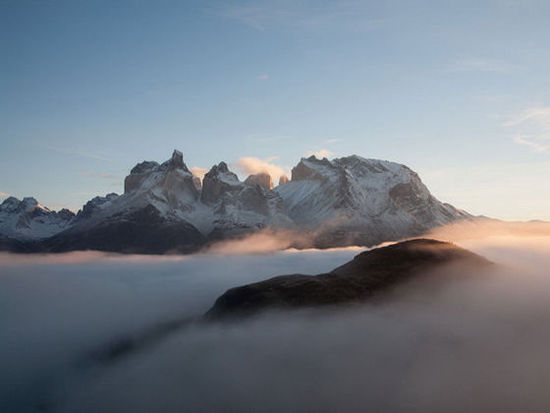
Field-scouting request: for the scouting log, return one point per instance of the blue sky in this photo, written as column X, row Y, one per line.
column 457, row 90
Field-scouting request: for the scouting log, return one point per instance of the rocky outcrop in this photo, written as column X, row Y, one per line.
column 283, row 179
column 217, row 182
column 262, row 179
column 368, row 274
column 171, row 182
column 95, row 204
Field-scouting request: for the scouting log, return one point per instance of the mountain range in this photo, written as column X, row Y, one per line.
column 165, row 208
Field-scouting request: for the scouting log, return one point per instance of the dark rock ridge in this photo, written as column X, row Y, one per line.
column 344, row 201
column 142, row 231
column 368, row 274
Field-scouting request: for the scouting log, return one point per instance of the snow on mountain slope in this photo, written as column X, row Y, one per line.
column 159, row 198
column 240, row 206
column 29, row 220
column 350, row 200
column 358, row 200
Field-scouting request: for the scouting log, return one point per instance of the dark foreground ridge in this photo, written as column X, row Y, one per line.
column 367, row 274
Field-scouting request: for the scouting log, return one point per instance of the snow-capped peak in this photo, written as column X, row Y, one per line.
column 28, row 219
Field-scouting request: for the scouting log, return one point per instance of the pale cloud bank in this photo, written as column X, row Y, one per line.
column 439, row 343
column 503, row 190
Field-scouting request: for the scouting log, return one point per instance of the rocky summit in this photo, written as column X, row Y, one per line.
column 164, row 208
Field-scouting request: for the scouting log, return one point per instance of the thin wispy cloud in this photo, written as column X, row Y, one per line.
column 4, row 194
column 333, row 140
column 76, row 152
column 349, row 15
column 532, row 128
column 262, row 77
column 255, row 17
column 481, row 65
column 99, row 175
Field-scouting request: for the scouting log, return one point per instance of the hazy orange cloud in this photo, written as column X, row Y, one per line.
column 250, row 165
column 198, row 171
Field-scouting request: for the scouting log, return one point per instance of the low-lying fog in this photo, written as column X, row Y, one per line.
column 481, row 344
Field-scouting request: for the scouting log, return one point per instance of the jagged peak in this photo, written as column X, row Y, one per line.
column 221, row 171
column 221, row 167
column 176, row 161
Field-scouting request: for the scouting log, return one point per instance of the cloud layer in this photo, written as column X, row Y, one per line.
column 445, row 343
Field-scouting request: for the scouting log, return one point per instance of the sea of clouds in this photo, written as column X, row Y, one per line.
column 437, row 344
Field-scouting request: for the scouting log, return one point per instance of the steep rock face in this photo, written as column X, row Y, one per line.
column 283, row 179
column 354, row 200
column 238, row 206
column 170, row 183
column 29, row 220
column 262, row 179
column 150, row 217
column 368, row 274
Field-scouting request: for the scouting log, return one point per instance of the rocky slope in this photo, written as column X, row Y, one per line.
column 368, row 274
column 165, row 208
column 28, row 220
column 360, row 201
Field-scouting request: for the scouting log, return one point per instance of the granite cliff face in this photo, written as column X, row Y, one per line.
column 346, row 201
